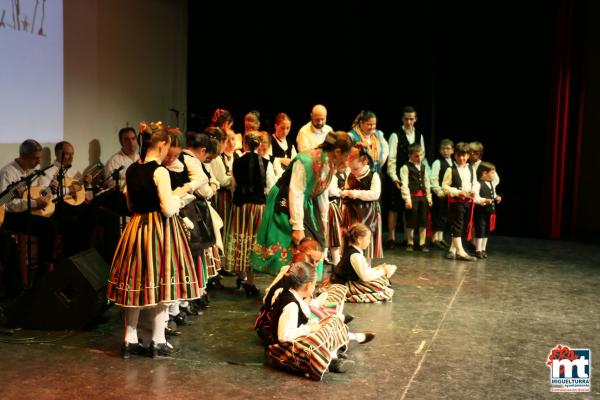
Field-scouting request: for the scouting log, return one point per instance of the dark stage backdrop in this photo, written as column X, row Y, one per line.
column 473, row 70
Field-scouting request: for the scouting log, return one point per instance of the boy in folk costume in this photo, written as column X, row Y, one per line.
column 439, row 208
column 485, row 211
column 462, row 189
column 416, row 193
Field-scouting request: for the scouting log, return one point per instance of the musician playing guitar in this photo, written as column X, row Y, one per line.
column 30, row 152
column 76, row 218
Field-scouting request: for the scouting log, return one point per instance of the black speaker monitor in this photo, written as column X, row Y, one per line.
column 70, row 297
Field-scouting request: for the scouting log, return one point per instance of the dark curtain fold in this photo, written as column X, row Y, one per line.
column 558, row 205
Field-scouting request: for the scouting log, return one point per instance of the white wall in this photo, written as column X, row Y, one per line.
column 125, row 61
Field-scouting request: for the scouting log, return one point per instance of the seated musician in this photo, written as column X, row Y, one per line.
column 124, row 158
column 30, row 152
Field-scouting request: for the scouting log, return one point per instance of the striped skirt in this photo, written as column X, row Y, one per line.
column 245, row 220
column 223, row 206
column 211, row 261
column 375, row 291
column 368, row 213
column 334, row 304
column 310, row 355
column 335, row 226
column 152, row 263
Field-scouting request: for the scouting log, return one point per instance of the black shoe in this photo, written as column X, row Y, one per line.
column 191, row 309
column 239, row 282
column 445, row 244
column 465, row 257
column 484, row 254
column 439, row 244
column 340, row 365
column 450, row 255
column 343, row 356
column 409, row 247
column 368, row 337
column 127, row 349
column 479, row 254
column 348, row 318
column 162, row 350
column 424, row 249
column 223, row 272
column 251, row 290
column 390, row 244
column 169, row 332
column 180, row 319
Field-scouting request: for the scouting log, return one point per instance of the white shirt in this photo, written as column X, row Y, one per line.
column 296, row 197
column 374, row 191
column 169, row 202
column 465, row 177
column 288, row 329
column 405, row 190
column 310, row 137
column 198, row 179
column 52, row 174
column 117, row 160
column 217, row 167
column 436, row 185
column 11, row 173
column 271, row 178
column 362, row 267
column 277, row 161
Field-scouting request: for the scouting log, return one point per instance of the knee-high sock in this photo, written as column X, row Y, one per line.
column 335, row 255
column 478, row 244
column 410, row 236
column 457, row 245
column 484, row 244
column 131, row 317
column 158, row 323
column 422, row 236
column 173, row 309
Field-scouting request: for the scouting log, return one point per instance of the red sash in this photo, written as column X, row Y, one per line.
column 492, row 222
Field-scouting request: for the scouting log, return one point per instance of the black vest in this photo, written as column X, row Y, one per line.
column 286, row 297
column 278, row 152
column 179, row 178
column 402, row 149
column 457, row 181
column 487, row 192
column 344, row 271
column 362, row 184
column 250, row 182
column 443, row 167
column 141, row 188
column 416, row 178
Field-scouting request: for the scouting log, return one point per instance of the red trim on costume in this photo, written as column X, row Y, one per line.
column 492, row 222
column 419, row 193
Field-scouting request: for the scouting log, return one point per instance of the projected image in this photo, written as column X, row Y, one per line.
column 31, row 83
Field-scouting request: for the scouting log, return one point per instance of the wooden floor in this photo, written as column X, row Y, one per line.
column 455, row 330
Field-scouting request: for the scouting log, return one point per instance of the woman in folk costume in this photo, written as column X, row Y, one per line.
column 365, row 283
column 251, row 173
column 298, row 205
column 301, row 344
column 364, row 131
column 152, row 264
column 282, row 149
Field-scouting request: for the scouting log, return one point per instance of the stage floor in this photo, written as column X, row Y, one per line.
column 455, row 330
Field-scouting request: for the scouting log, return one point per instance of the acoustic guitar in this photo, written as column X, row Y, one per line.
column 38, row 192
column 74, row 192
column 10, row 193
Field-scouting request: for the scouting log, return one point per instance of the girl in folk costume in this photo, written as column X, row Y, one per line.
column 335, row 240
column 298, row 205
column 178, row 311
column 330, row 301
column 223, row 119
column 302, row 345
column 221, row 168
column 200, row 149
column 152, row 264
column 365, row 284
column 364, row 131
column 283, row 150
column 253, row 174
column 361, row 198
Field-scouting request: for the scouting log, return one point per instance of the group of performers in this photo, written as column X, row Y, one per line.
column 202, row 204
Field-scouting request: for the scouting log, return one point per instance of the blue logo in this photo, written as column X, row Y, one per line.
column 570, row 369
